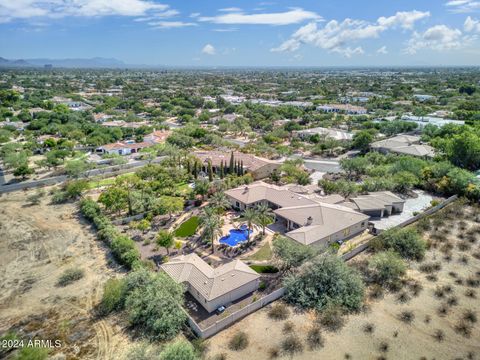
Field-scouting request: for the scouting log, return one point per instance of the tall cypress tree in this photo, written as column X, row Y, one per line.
column 241, row 169
column 210, row 171
column 230, row 170
column 222, row 169
column 195, row 170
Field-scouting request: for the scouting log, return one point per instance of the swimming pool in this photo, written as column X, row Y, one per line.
column 235, row 237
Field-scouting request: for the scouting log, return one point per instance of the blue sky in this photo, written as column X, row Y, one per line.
column 245, row 33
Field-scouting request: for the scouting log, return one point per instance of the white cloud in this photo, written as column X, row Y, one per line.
column 195, row 15
column 25, row 9
column 404, row 19
column 230, row 9
column 209, row 50
column 463, row 6
column 225, row 29
column 438, row 37
column 471, row 25
column 293, row 16
column 383, row 50
column 170, row 24
column 337, row 36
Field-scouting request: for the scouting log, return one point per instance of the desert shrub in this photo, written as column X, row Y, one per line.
column 221, row 356
column 32, row 353
column 470, row 293
column 314, row 338
column 386, row 267
column 415, row 287
column 113, row 296
column 69, row 276
column 463, row 328
column 238, row 342
column 406, row 316
column 464, row 246
column 406, row 241
column 279, row 311
column 143, row 351
column 179, row 350
column 470, row 316
column 383, row 347
column 376, row 292
column 439, row 292
column 430, row 267
column 452, row 301
column 274, row 352
column 439, row 335
column 291, row 254
column 89, row 208
column 288, row 327
column 424, row 224
column 125, row 250
column 368, row 328
column 427, row 319
column 472, row 282
column 325, row 279
column 292, row 345
column 153, row 302
column 443, row 310
column 332, row 317
column 403, row 297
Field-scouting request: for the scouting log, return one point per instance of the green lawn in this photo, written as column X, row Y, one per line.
column 264, row 269
column 264, row 253
column 188, row 227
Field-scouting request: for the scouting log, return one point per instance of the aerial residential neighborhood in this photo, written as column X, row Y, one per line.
column 239, row 180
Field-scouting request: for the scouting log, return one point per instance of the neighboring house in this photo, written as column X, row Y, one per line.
column 422, row 121
column 309, row 220
column 259, row 168
column 125, row 125
column 123, row 147
column 330, row 133
column 378, row 204
column 405, row 145
column 131, row 147
column 342, row 108
column 211, row 287
column 423, row 98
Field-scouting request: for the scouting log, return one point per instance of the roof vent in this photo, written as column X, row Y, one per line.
column 309, row 221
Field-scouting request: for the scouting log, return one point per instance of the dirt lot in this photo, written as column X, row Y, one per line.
column 436, row 331
column 37, row 244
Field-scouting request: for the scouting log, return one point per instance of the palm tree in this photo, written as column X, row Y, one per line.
column 249, row 216
column 211, row 224
column 219, row 202
column 265, row 216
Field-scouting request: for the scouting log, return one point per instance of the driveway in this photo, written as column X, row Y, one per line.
column 412, row 205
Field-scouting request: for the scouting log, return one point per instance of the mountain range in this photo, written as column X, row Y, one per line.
column 96, row 62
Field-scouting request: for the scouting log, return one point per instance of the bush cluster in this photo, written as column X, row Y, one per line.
column 123, row 248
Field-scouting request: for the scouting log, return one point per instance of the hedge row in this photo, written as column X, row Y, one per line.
column 123, row 248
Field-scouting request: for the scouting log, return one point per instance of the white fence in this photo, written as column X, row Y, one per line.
column 234, row 317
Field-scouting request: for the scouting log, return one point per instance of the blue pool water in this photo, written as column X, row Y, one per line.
column 235, row 237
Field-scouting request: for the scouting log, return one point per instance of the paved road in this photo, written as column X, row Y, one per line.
column 60, row 179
